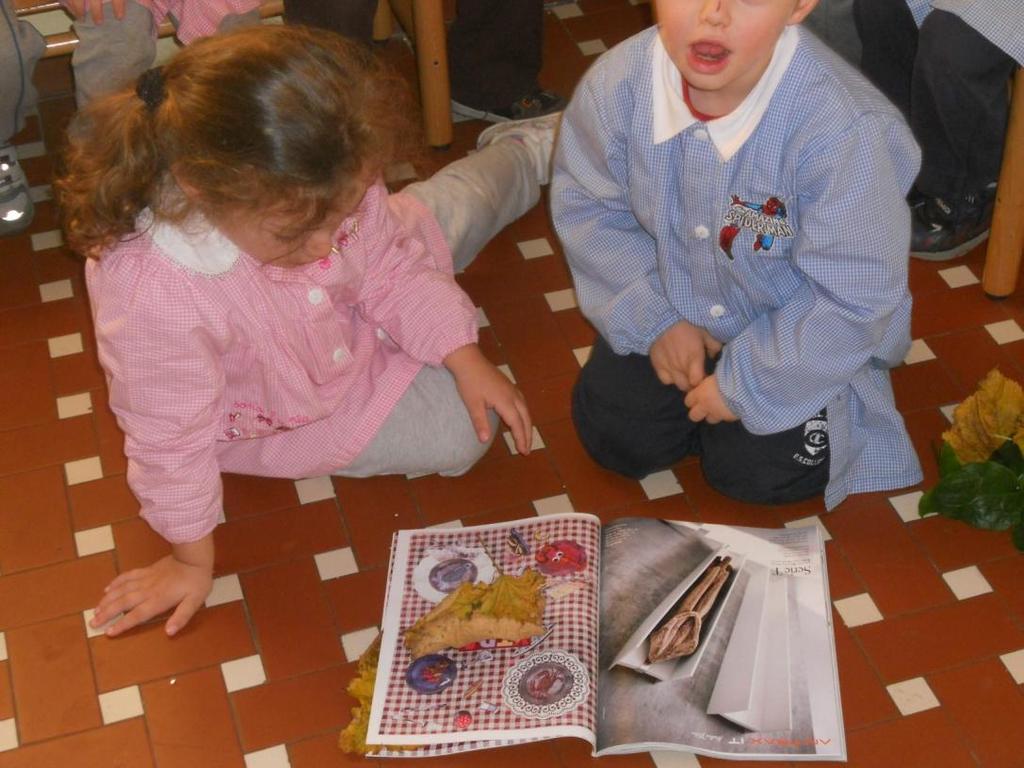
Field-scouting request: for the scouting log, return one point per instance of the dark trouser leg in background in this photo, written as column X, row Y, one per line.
column 494, row 51
column 631, row 423
column 351, row 18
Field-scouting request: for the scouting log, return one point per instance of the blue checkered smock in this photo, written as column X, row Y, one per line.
column 794, row 251
column 1000, row 21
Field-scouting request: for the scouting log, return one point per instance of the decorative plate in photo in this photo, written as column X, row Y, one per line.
column 431, row 674
column 545, row 684
column 441, row 571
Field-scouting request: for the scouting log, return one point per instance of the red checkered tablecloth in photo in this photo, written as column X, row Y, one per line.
column 572, row 619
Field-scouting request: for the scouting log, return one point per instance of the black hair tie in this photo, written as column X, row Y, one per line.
column 150, row 88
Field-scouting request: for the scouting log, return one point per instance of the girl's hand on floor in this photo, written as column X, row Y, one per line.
column 482, row 386
column 181, row 580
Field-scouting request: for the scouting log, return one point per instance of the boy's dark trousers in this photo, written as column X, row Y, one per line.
column 633, row 424
column 494, row 46
column 950, row 82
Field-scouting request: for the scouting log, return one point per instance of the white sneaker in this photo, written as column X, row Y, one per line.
column 537, row 134
column 16, row 207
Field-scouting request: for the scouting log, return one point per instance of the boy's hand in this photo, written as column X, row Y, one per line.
column 706, row 403
column 678, row 355
column 79, row 9
column 183, row 579
column 482, row 386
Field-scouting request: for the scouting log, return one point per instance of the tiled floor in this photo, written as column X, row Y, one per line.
column 929, row 615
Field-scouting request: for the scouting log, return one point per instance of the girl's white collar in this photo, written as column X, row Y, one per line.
column 196, row 245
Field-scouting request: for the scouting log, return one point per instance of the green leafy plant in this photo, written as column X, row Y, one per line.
column 981, row 467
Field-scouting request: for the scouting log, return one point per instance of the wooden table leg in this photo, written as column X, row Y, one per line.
column 1006, row 239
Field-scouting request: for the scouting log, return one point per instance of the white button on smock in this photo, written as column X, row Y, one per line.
column 717, row 310
column 701, row 134
column 315, row 295
column 339, row 355
column 701, row 231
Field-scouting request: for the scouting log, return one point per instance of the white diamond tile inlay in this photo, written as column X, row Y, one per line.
column 567, row 11
column 336, row 563
column 947, row 411
column 91, row 631
column 807, row 522
column 919, row 352
column 482, row 321
column 356, row 642
column 94, row 540
column 534, row 249
column 8, row 735
column 1014, row 663
column 448, row 525
column 56, row 291
column 314, row 489
column 83, row 470
column 674, row 759
column 912, row 696
column 246, row 672
column 958, row 277
column 661, row 484
column 592, row 47
column 74, row 405
column 582, row 354
column 553, row 505
column 906, row 505
column 271, row 757
column 536, row 441
column 967, row 582
column 858, row 610
column 62, row 346
column 3, row 647
column 43, row 241
column 1006, row 332
column 508, row 372
column 559, row 300
column 122, row 704
column 226, row 589
column 41, row 193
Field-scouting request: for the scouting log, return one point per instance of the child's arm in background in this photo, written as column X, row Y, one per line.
column 166, row 384
column 612, row 258
column 853, row 308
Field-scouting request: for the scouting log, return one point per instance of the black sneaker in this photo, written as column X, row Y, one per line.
column 536, row 104
column 941, row 230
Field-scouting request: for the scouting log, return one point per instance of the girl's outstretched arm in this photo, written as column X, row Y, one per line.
column 482, row 386
column 182, row 580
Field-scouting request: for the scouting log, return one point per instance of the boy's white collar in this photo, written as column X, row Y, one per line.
column 196, row 245
column 729, row 132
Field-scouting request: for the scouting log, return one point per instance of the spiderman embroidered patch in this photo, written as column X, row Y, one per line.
column 766, row 220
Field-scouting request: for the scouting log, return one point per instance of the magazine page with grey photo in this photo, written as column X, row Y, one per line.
column 638, row 635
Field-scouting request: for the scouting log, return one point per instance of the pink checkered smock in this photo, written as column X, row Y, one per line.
column 216, row 362
column 196, row 18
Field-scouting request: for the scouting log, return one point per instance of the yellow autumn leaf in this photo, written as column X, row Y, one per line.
column 509, row 608
column 353, row 738
column 987, row 419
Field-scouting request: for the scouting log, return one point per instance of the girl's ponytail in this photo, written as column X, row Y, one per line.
column 114, row 168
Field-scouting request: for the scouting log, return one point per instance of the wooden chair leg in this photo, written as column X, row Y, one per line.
column 1006, row 239
column 382, row 22
column 423, row 20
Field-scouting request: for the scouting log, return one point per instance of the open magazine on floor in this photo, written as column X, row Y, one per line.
column 636, row 635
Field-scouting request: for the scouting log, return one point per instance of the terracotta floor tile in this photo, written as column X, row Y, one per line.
column 713, row 507
column 121, row 744
column 493, row 485
column 953, row 310
column 102, row 501
column 322, row 752
column 924, row 385
column 284, row 711
column 531, row 339
column 6, row 697
column 357, row 600
column 865, row 700
column 591, row 487
column 925, row 739
column 1006, row 577
column 56, row 590
column 112, row 456
column 842, row 581
column 549, row 273
column 249, row 542
column 247, row 495
column 968, row 356
column 146, row 653
column 575, row 753
column 60, row 264
column 549, row 399
column 925, row 428
column 952, row 544
column 988, row 706
column 611, row 27
column 77, row 373
column 43, row 445
column 53, row 686
column 897, row 574
column 19, row 286
column 190, row 721
column 137, row 544
column 292, row 619
column 932, row 640
column 35, row 322
column 374, row 508
column 34, row 520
